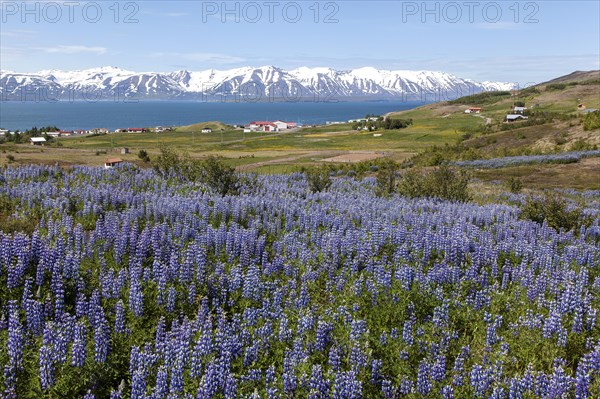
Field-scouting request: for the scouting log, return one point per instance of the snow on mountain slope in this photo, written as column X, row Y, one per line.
column 246, row 82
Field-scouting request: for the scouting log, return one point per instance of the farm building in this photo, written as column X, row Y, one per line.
column 514, row 117
column 473, row 110
column 263, row 126
column 112, row 162
column 37, row 141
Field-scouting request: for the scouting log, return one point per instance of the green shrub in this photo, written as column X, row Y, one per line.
column 515, row 185
column 487, row 97
column 220, row 177
column 555, row 86
column 554, row 210
column 582, row 145
column 442, row 182
column 318, row 179
column 143, row 155
column 591, row 120
column 168, row 162
column 212, row 171
column 386, row 178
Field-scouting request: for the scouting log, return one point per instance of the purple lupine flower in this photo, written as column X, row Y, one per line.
column 357, row 329
column 101, row 342
column 480, row 380
column 346, row 386
column 78, row 351
column 358, row 358
column 285, row 333
column 171, row 297
column 10, row 381
column 119, row 318
column 493, row 325
column 116, row 394
column 424, row 378
column 138, row 385
column 560, row 382
column 230, row 389
column 176, row 385
column 290, row 381
column 161, row 387
column 46, row 367
column 270, row 375
column 376, row 375
column 438, row 370
column 406, row 386
column 515, row 389
column 136, row 298
column 319, row 386
column 407, row 332
column 15, row 342
column 447, row 392
column 389, row 391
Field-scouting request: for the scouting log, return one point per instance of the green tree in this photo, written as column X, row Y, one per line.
column 318, row 179
column 218, row 176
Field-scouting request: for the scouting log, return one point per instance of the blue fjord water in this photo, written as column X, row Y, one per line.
column 113, row 115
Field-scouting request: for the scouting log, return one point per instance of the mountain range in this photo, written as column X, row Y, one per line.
column 247, row 83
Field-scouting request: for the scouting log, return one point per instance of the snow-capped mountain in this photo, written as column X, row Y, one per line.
column 264, row 83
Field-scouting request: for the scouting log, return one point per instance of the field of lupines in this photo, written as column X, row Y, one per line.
column 133, row 286
column 561, row 158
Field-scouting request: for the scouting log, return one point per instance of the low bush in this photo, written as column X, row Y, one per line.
column 143, row 155
column 212, row 171
column 591, row 120
column 220, row 177
column 386, row 178
column 554, row 210
column 515, row 185
column 442, row 182
column 318, row 179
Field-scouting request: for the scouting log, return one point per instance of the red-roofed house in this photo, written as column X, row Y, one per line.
column 112, row 162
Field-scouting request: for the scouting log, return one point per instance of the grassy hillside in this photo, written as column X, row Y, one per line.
column 440, row 132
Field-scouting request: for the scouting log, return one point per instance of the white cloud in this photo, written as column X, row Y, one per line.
column 176, row 14
column 73, row 49
column 211, row 58
column 18, row 33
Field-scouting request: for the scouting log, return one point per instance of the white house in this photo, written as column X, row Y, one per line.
column 519, row 110
column 37, row 141
column 206, row 130
column 3, row 132
column 281, row 125
column 263, row 126
column 53, row 134
column 112, row 162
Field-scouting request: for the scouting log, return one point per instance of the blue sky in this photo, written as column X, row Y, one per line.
column 516, row 41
